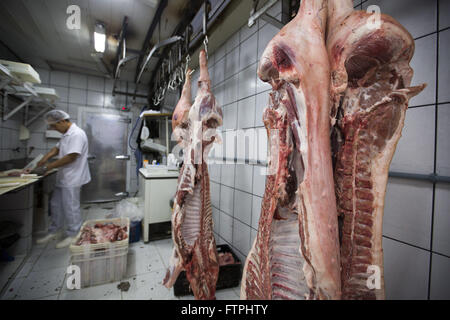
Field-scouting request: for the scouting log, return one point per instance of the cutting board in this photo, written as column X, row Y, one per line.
column 10, row 183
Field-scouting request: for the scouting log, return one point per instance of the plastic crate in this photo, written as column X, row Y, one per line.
column 101, row 262
column 229, row 275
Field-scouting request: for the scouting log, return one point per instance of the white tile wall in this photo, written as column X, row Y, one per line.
column 247, row 82
column 229, row 116
column 241, row 236
column 62, row 92
column 215, row 194
column 444, row 14
column 259, row 180
column 44, row 75
column 443, row 142
column 440, row 278
column 59, row 78
column 256, row 211
column 226, row 199
column 78, row 81
column 424, row 66
column 245, row 145
column 243, row 207
column 244, row 177
column 417, row 16
column 246, row 113
column 9, row 135
column 232, row 63
column 407, row 211
column 246, row 32
column 95, row 98
column 77, row 96
column 248, row 54
column 265, row 34
column 405, row 271
column 226, row 227
column 230, row 90
column 220, row 53
column 98, row 84
column 253, row 233
column 444, row 68
column 232, row 42
column 216, row 220
column 227, row 175
column 219, row 72
column 417, row 134
column 441, row 235
column 214, row 172
column 262, row 102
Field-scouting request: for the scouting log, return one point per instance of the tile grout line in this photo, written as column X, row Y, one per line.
column 433, row 204
column 415, row 246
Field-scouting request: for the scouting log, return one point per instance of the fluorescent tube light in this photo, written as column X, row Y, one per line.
column 99, row 38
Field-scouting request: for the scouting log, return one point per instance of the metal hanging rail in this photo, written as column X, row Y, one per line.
column 434, row 178
column 156, row 47
column 288, row 10
column 256, row 14
column 193, row 38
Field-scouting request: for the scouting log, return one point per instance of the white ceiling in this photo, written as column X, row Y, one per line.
column 36, row 31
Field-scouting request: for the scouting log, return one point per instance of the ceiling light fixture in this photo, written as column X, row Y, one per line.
column 99, row 37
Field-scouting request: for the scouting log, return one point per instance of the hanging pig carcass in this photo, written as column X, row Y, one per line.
column 192, row 225
column 296, row 251
column 370, row 88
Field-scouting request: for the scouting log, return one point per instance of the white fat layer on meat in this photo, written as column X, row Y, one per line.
column 190, row 227
column 300, row 102
column 286, row 260
column 274, row 147
column 174, row 269
column 253, row 257
column 380, row 168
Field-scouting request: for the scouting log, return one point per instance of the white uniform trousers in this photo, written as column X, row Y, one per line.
column 65, row 207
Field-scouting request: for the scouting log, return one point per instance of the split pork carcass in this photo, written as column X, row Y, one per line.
column 370, row 90
column 296, row 251
column 180, row 133
column 192, row 225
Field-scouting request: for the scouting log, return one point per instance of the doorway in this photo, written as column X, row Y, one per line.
column 109, row 157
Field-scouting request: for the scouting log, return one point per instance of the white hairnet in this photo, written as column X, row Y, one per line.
column 54, row 116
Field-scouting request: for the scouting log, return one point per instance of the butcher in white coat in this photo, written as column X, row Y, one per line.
column 73, row 173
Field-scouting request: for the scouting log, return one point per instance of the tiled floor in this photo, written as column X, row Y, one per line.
column 43, row 274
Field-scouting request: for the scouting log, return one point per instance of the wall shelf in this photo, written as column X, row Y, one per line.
column 39, row 97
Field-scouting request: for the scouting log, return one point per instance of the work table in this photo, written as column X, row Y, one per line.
column 16, row 183
column 26, row 204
